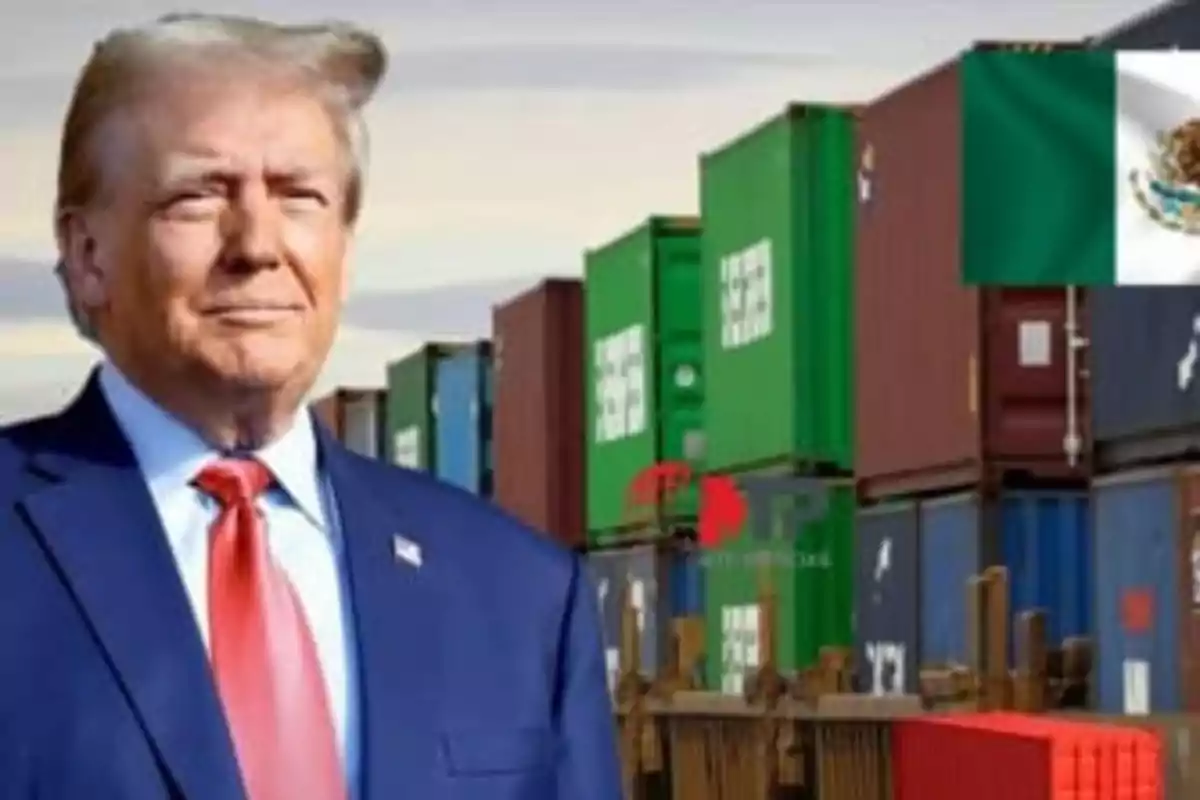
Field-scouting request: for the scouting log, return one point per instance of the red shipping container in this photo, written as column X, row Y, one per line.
column 537, row 416
column 1112, row 762
column 953, row 385
column 1082, row 761
column 933, row 759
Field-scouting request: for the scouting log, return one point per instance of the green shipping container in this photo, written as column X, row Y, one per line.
column 812, row 574
column 410, row 415
column 778, row 207
column 643, row 357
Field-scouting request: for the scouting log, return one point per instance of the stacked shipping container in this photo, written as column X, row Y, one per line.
column 538, row 428
column 777, row 259
column 645, row 383
column 462, row 407
column 727, row 341
column 643, row 403
column 963, row 398
column 662, row 584
column 1144, row 354
column 411, row 417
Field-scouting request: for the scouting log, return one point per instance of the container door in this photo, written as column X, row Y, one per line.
column 457, row 430
column 887, row 617
column 1137, row 594
column 410, row 411
column 1047, row 548
column 950, row 555
column 1026, row 417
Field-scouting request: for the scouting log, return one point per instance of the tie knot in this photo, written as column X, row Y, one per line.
column 234, row 480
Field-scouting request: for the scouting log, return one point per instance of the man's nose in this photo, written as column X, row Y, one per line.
column 253, row 238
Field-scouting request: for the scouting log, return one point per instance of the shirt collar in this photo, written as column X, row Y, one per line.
column 170, row 454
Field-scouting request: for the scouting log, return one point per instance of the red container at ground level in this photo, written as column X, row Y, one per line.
column 934, row 760
column 537, row 415
column 1006, row 755
column 953, row 385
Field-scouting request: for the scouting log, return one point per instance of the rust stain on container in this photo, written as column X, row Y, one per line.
column 538, row 412
column 953, row 385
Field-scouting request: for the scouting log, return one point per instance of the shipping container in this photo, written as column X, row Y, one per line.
column 887, row 612
column 537, row 419
column 809, row 567
column 355, row 418
column 645, row 385
column 1041, row 537
column 663, row 582
column 1163, row 27
column 463, row 412
column 1145, row 361
column 1002, row 756
column 777, row 247
column 954, row 386
column 1148, row 590
column 410, row 419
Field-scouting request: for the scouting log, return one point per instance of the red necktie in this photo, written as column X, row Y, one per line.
column 263, row 653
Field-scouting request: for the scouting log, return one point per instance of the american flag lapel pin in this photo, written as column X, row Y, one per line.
column 406, row 551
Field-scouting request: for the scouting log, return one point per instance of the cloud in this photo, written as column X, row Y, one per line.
column 41, row 340
column 624, row 68
column 44, row 364
column 456, row 310
column 38, row 98
column 29, row 291
column 33, row 318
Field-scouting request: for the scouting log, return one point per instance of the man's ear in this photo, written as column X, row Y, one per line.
column 81, row 267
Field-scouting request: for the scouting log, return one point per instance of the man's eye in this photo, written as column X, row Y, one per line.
column 305, row 195
column 192, row 200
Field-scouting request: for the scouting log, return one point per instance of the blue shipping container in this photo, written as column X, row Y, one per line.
column 463, row 406
column 1144, row 336
column 1044, row 541
column 664, row 584
column 1137, row 564
column 886, row 610
column 687, row 584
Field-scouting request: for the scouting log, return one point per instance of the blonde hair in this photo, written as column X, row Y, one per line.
column 342, row 63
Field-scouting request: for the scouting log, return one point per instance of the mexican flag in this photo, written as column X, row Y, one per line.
column 1080, row 167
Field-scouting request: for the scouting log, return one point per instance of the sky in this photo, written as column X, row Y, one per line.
column 508, row 137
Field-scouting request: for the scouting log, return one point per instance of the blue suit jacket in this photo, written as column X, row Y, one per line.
column 481, row 671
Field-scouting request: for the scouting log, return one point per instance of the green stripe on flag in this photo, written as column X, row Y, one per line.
column 1038, row 168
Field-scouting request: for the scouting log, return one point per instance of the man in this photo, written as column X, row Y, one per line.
column 203, row 595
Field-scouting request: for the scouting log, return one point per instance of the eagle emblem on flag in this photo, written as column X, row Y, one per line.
column 1168, row 190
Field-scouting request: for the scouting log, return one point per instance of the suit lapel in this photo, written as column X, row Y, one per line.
column 99, row 524
column 396, row 607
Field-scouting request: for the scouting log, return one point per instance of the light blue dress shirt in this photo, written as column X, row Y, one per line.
column 302, row 528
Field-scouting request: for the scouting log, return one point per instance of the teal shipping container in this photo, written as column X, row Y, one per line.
column 462, row 406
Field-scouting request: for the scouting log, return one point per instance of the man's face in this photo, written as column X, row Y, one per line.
column 222, row 238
